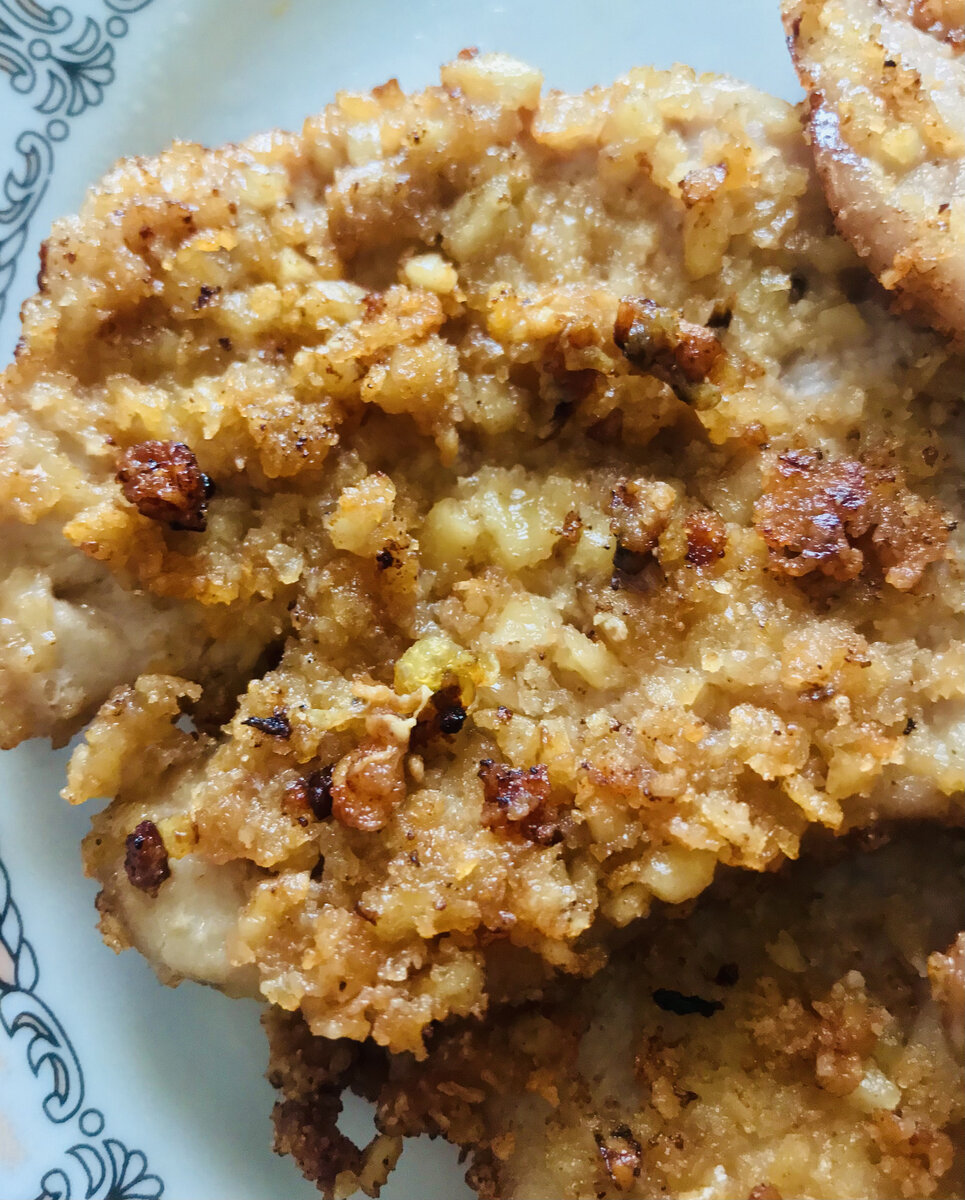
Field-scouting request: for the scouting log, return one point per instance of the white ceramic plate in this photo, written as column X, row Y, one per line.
column 112, row 1086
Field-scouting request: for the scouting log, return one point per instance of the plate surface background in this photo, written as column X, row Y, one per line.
column 112, row 1086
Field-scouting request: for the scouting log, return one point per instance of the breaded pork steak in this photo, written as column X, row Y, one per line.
column 886, row 82
column 797, row 1036
column 588, row 517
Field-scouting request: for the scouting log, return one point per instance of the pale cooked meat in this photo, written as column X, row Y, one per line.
column 71, row 632
column 886, row 80
column 782, row 1041
column 611, row 523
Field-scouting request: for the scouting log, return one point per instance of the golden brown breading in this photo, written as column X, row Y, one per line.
column 487, row 385
column 886, row 82
column 780, row 1041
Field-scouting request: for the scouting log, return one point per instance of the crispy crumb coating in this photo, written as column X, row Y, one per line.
column 886, row 84
column 489, row 386
column 788, row 1038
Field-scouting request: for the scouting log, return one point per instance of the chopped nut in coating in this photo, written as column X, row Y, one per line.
column 146, row 859
column 639, row 511
column 164, row 482
column 395, row 487
column 512, row 793
column 518, row 798
column 706, row 537
column 367, row 785
column 660, row 341
column 840, row 517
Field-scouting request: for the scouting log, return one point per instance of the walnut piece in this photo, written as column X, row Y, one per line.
column 164, row 482
column 146, row 859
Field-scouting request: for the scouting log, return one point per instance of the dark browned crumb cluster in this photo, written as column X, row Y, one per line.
column 477, row 651
column 841, row 517
column 164, row 483
column 146, row 859
column 793, row 1037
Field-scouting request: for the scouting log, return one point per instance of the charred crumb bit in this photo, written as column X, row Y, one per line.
column 318, row 870
column 277, row 725
column 313, row 794
column 727, row 974
column 622, row 1156
column 504, row 714
column 929, row 456
column 145, row 233
column 706, row 537
column 764, row 1191
column 720, row 318
column 842, row 518
column 817, row 692
column 226, row 344
column 910, row 726
column 451, row 719
column 685, row 1006
column 798, row 288
column 205, row 295
column 145, row 858
column 385, row 559
column 444, row 715
column 660, row 342
column 318, row 792
column 164, row 483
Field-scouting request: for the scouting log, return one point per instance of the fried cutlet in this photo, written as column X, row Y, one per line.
column 886, row 84
column 588, row 516
column 796, row 1035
